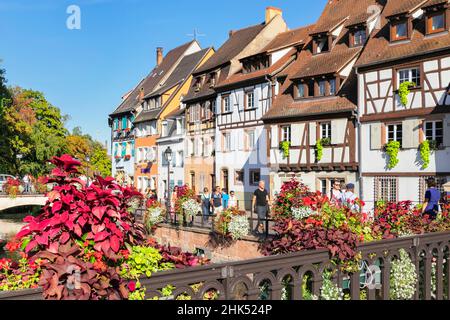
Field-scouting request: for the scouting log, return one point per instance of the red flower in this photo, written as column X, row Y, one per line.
column 132, row 286
column 12, row 246
column 5, row 263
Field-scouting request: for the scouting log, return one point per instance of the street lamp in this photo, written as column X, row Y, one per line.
column 88, row 159
column 168, row 156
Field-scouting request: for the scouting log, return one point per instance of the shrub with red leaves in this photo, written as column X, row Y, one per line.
column 84, row 219
column 391, row 218
column 180, row 258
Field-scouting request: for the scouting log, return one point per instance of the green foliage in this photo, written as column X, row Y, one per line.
column 425, row 153
column 404, row 90
column 319, row 151
column 285, row 147
column 143, row 261
column 392, row 150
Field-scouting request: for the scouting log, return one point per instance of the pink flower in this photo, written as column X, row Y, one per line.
column 132, row 286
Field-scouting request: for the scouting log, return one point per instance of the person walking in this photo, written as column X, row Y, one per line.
column 233, row 202
column 216, row 201
column 26, row 183
column 225, row 198
column 205, row 198
column 432, row 198
column 260, row 204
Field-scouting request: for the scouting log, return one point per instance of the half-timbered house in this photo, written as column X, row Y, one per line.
column 404, row 77
column 201, row 104
column 313, row 121
column 243, row 98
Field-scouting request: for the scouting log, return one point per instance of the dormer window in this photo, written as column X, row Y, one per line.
column 212, row 79
column 399, row 31
column 301, row 90
column 321, row 43
column 332, row 87
column 322, row 88
column 359, row 37
column 435, row 22
column 197, row 84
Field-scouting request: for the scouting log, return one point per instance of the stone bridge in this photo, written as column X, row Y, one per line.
column 22, row 200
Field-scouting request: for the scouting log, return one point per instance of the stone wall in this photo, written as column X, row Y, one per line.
column 214, row 248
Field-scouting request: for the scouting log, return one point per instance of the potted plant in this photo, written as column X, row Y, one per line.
column 392, row 149
column 404, row 90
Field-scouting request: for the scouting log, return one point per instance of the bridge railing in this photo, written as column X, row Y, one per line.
column 283, row 276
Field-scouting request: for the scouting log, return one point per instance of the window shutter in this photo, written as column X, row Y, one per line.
column 338, row 128
column 116, row 149
column 411, row 133
column 312, row 133
column 256, row 95
column 132, row 149
column 232, row 142
column 274, row 139
column 297, row 134
column 241, row 142
column 241, row 104
column 124, row 149
column 447, row 131
column 375, row 136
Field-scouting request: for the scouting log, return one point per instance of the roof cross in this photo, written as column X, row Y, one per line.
column 196, row 34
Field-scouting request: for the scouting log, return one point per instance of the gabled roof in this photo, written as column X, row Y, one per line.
column 181, row 73
column 380, row 50
column 184, row 69
column 231, row 48
column 149, row 83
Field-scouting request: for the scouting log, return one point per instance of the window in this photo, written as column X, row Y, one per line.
column 255, row 177
column 322, row 86
column 386, row 189
column 226, row 105
column 301, row 90
column 311, row 85
column 359, row 37
column 323, row 186
column 321, row 44
column 434, row 131
column 286, row 133
column 436, row 23
column 399, row 31
column 250, row 100
column 332, row 87
column 250, row 139
column 191, row 147
column 227, row 142
column 165, row 129
column 395, row 133
column 409, row 75
column 239, row 176
column 325, row 130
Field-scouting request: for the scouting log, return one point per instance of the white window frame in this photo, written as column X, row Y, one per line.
column 226, row 100
column 227, row 142
column 286, row 133
column 250, row 96
column 395, row 125
column 251, row 139
column 324, row 93
column 408, row 76
column 434, row 135
column 325, row 130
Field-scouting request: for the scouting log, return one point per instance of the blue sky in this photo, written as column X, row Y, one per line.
column 85, row 72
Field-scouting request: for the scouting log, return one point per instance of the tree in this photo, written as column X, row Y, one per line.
column 33, row 132
column 100, row 160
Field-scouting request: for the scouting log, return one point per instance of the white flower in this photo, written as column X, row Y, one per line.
column 302, row 213
column 191, row 207
column 330, row 290
column 154, row 216
column 238, row 227
column 403, row 277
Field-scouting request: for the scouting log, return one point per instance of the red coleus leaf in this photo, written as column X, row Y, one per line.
column 101, row 236
column 115, row 243
column 99, row 212
column 42, row 240
column 31, row 246
column 56, row 206
column 65, row 236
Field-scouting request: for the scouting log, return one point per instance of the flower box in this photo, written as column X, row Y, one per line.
column 28, row 294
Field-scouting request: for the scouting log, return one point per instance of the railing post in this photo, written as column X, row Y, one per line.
column 354, row 286
column 227, row 275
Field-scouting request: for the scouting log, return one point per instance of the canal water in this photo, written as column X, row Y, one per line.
column 11, row 221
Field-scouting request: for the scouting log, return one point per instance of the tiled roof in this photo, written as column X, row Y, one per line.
column 232, row 47
column 149, row 83
column 395, row 7
column 327, row 63
column 148, row 115
column 289, row 38
column 379, row 49
column 243, row 77
column 309, row 65
column 183, row 70
column 286, row 107
column 434, row 2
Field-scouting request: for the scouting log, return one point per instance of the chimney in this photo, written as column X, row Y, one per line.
column 141, row 94
column 159, row 55
column 230, row 33
column 271, row 12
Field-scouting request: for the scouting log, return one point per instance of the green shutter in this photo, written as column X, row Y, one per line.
column 116, row 148
column 124, row 149
column 132, row 148
column 124, row 123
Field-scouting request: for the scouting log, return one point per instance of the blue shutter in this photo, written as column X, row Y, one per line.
column 116, row 148
column 124, row 123
column 124, row 149
column 116, row 124
column 132, row 149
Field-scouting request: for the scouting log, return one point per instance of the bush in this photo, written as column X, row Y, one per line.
column 403, row 278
